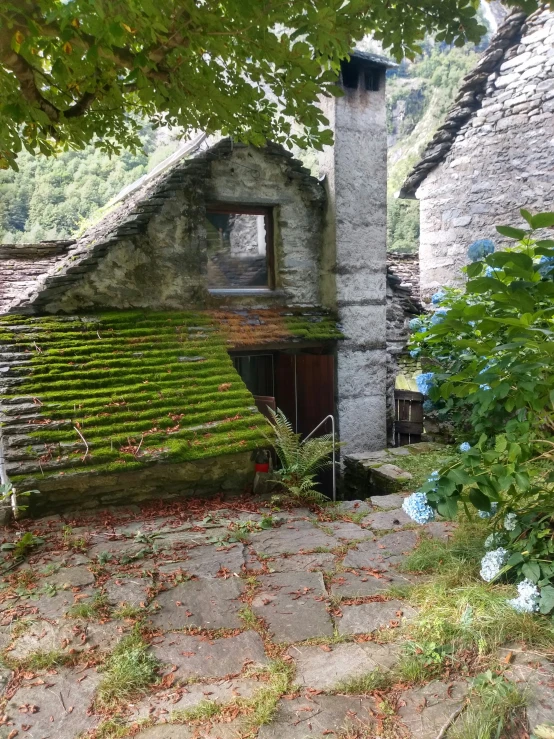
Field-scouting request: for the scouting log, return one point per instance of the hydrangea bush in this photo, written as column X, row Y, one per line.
column 489, row 369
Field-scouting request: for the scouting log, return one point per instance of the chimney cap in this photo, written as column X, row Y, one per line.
column 373, row 60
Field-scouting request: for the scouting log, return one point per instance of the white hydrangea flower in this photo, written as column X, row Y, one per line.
column 494, row 541
column 488, row 514
column 492, row 563
column 418, row 508
column 528, row 599
column 510, row 521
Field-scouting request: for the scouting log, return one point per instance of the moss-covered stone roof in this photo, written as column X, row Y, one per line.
column 119, row 391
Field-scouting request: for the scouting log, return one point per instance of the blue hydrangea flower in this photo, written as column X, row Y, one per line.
column 488, row 514
column 493, row 562
column 465, row 447
column 424, row 382
column 491, row 271
column 472, row 324
column 546, row 266
column 418, row 508
column 438, row 297
column 428, row 406
column 415, row 353
column 527, row 600
column 484, row 387
column 480, row 249
column 510, row 521
column 495, row 540
column 433, row 476
column 416, row 324
column 438, row 316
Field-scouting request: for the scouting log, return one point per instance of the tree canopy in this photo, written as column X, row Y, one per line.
column 74, row 72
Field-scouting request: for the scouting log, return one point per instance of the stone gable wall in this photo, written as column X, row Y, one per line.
column 155, row 256
column 501, row 161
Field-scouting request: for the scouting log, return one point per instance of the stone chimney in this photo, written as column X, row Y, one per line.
column 354, row 254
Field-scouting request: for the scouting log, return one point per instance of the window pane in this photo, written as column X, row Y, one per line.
column 237, row 249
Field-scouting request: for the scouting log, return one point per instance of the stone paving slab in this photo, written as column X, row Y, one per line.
column 291, row 539
column 293, row 605
column 61, row 706
column 231, row 730
column 353, row 506
column 387, row 502
column 302, row 563
column 56, row 606
column 440, row 529
column 368, row 617
column 69, row 577
column 347, row 531
column 328, row 668
column 386, row 520
column 131, row 591
column 162, row 705
column 381, row 553
column 425, row 710
column 68, row 637
column 196, row 656
column 318, row 717
column 351, row 585
column 534, row 674
column 208, row 604
column 209, row 560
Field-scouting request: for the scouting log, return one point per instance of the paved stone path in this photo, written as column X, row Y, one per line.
column 224, row 598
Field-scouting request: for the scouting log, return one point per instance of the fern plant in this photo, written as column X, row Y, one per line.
column 299, row 461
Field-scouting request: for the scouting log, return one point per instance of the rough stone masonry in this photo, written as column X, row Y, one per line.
column 494, row 154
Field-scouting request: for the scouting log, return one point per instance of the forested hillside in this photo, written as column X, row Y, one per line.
column 54, row 198
column 419, row 95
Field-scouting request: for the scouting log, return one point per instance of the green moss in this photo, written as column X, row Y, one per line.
column 123, row 380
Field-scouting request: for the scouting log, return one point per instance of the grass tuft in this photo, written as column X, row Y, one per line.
column 374, row 680
column 495, row 709
column 129, row 672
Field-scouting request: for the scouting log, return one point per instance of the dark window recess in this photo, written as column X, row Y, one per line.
column 239, row 248
column 350, row 74
column 256, row 371
column 372, row 79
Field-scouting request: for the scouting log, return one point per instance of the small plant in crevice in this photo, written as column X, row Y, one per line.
column 22, row 546
column 495, row 709
column 300, row 461
column 129, row 671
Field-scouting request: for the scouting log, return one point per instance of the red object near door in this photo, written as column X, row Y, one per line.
column 262, row 467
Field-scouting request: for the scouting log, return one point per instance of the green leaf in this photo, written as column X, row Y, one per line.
column 546, row 603
column 512, row 233
column 532, row 571
column 515, row 559
column 543, row 220
column 448, row 508
column 479, row 500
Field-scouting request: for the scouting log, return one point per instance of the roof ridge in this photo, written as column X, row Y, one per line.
column 467, row 102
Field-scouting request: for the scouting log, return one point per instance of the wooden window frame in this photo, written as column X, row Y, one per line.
column 252, row 210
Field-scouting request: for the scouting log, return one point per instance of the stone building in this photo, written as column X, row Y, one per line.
column 494, row 153
column 135, row 361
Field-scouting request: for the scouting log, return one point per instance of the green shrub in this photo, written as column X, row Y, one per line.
column 490, row 347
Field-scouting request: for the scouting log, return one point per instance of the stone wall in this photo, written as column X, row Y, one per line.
column 502, row 159
column 402, row 305
column 356, row 171
column 151, row 251
column 226, row 473
column 22, row 264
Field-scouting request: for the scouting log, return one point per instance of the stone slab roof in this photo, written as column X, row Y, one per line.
column 467, row 102
column 120, row 391
column 21, row 265
column 131, row 216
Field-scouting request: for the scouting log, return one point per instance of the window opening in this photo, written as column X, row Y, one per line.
column 239, row 242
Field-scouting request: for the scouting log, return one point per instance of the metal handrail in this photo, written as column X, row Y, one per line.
column 319, row 425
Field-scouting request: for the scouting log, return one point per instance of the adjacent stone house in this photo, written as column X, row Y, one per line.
column 494, row 154
column 135, row 361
